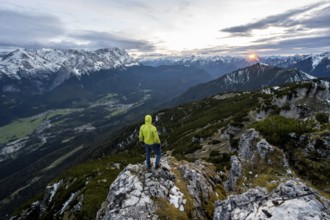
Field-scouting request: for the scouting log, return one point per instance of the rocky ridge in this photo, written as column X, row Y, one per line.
column 135, row 194
column 250, row 78
column 138, row 193
column 22, row 63
column 298, row 104
column 290, row 200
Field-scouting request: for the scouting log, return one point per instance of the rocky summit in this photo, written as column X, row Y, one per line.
column 190, row 187
column 141, row 194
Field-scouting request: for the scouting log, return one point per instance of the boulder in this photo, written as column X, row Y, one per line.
column 290, row 200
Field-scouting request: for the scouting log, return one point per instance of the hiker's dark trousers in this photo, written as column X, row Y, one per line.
column 155, row 148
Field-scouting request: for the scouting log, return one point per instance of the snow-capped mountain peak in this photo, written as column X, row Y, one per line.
column 317, row 58
column 28, row 62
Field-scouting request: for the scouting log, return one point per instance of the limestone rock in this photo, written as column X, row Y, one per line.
column 234, row 174
column 264, row 148
column 199, row 184
column 246, row 145
column 300, row 203
column 132, row 194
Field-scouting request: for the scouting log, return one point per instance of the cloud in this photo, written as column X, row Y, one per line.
column 307, row 43
column 28, row 30
column 97, row 39
column 19, row 29
column 303, row 45
column 321, row 19
column 286, row 19
column 152, row 27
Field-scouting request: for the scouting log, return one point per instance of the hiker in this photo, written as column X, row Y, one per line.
column 149, row 138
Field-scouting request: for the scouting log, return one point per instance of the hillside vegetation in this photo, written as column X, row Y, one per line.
column 214, row 129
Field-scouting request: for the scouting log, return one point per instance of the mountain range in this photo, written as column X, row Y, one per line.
column 249, row 78
column 22, row 63
column 64, row 107
column 34, row 81
column 317, row 65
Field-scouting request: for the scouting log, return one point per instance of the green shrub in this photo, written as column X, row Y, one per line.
column 277, row 129
column 322, row 118
column 214, row 153
column 221, row 161
column 234, row 142
column 286, row 107
column 215, row 141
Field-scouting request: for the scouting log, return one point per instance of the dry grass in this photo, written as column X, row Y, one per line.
column 263, row 174
column 208, row 206
column 166, row 210
column 182, row 185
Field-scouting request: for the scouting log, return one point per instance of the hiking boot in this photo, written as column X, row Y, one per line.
column 157, row 166
column 148, row 168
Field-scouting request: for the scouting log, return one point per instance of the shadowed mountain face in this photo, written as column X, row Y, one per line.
column 316, row 65
column 29, row 95
column 50, row 121
column 250, row 78
column 216, row 66
column 34, row 81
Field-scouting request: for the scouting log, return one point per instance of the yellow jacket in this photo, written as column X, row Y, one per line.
column 148, row 133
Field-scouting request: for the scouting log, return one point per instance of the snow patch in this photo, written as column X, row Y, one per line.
column 53, row 189
column 68, row 202
column 316, row 59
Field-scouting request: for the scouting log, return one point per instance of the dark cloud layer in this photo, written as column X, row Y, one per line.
column 296, row 38
column 321, row 19
column 19, row 29
column 28, row 30
column 104, row 39
column 286, row 46
column 287, row 20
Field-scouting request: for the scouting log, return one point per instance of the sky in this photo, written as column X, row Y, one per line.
column 152, row 28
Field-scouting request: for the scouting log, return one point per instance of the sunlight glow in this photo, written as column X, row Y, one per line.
column 253, row 57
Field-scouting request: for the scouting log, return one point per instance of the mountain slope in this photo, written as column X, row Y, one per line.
column 216, row 66
column 23, row 63
column 315, row 65
column 93, row 107
column 250, row 78
column 28, row 96
column 268, row 144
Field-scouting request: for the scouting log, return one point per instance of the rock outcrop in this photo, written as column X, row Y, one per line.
column 246, row 145
column 264, row 148
column 249, row 146
column 131, row 194
column 136, row 191
column 298, row 104
column 290, row 200
column 201, row 182
column 234, row 173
